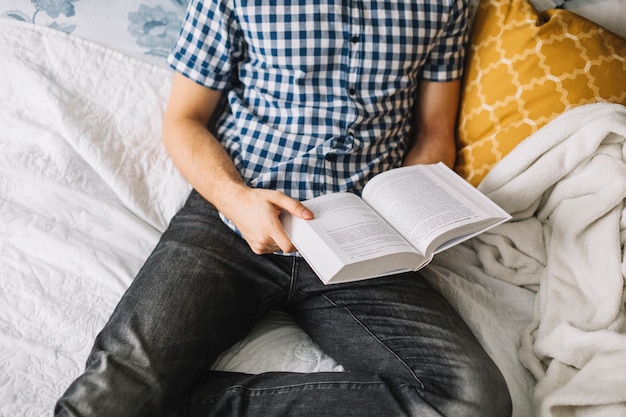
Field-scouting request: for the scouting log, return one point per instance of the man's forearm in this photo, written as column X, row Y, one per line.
column 431, row 148
column 197, row 154
column 203, row 162
column 434, row 119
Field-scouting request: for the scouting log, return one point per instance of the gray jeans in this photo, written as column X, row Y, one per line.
column 405, row 349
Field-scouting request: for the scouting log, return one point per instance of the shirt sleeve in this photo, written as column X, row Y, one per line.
column 447, row 57
column 207, row 45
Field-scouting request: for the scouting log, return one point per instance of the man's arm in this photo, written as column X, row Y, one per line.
column 434, row 123
column 204, row 163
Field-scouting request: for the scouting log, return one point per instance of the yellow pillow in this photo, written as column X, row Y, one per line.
column 524, row 69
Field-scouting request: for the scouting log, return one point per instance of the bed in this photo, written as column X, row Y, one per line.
column 86, row 189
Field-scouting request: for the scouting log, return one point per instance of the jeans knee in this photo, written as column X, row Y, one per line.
column 484, row 393
column 474, row 391
column 493, row 399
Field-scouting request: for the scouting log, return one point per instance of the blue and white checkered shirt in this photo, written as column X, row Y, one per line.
column 319, row 93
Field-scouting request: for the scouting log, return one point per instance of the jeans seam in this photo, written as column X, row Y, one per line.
column 417, row 379
column 293, row 280
column 251, row 390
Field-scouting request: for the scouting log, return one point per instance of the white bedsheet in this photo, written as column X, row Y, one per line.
column 86, row 190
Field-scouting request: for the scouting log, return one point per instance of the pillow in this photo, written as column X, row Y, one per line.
column 524, row 69
column 145, row 29
column 608, row 13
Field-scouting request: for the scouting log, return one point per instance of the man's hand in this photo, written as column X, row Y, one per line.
column 255, row 213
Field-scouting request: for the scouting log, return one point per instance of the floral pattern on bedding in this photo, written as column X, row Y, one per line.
column 155, row 28
column 53, row 8
column 145, row 29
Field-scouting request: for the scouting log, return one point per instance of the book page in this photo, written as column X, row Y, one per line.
column 421, row 205
column 353, row 230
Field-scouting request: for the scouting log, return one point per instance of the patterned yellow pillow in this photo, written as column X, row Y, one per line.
column 524, row 69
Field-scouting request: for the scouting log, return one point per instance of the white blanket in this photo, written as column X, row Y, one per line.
column 565, row 188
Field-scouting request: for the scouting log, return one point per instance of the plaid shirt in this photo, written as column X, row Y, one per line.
column 318, row 93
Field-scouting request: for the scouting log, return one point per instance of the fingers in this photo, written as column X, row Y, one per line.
column 295, row 208
column 269, row 240
column 283, row 202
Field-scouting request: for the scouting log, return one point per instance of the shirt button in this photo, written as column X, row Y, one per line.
column 354, row 39
column 352, row 91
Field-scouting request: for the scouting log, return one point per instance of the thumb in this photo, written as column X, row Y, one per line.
column 294, row 207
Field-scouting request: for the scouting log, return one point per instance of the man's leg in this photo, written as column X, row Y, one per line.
column 200, row 291
column 405, row 349
column 404, row 331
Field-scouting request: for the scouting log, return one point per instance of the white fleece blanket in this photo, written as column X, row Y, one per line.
column 565, row 187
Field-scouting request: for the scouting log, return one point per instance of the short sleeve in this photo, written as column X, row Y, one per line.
column 207, row 45
column 446, row 59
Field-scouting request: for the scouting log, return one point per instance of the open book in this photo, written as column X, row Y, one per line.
column 404, row 217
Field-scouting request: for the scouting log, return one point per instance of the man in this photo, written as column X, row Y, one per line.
column 306, row 99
